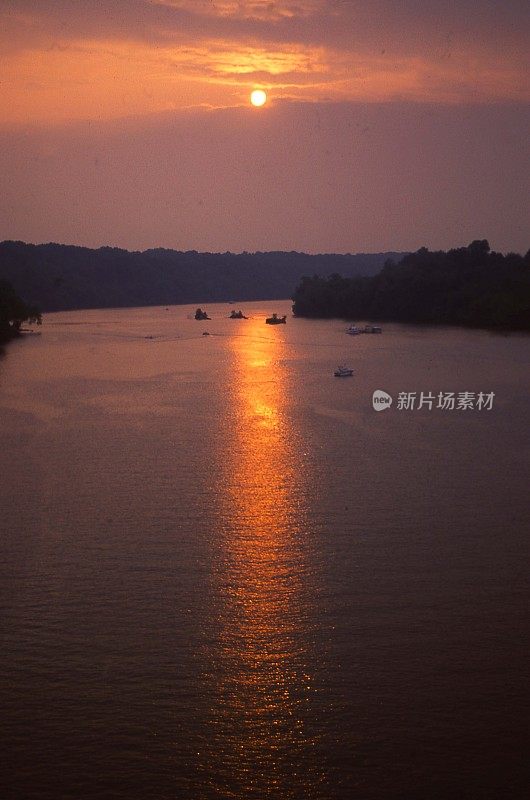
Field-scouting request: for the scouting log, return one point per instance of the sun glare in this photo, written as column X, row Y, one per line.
column 258, row 97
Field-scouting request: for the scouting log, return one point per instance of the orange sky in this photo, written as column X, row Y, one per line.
column 64, row 60
column 389, row 125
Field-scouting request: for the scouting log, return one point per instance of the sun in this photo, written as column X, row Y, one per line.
column 258, row 97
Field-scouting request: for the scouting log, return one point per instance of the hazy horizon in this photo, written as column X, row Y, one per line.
column 237, row 252
column 386, row 128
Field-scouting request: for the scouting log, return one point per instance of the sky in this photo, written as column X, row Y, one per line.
column 389, row 125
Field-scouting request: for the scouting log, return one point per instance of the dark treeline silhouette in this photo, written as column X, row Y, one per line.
column 466, row 286
column 60, row 277
column 14, row 312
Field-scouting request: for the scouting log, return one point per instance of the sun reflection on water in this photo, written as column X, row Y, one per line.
column 263, row 687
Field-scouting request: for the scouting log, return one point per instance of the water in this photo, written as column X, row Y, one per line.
column 225, row 576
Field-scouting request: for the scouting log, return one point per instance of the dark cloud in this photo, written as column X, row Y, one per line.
column 405, row 27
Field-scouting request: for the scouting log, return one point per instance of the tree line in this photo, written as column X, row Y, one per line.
column 471, row 286
column 62, row 277
column 14, row 312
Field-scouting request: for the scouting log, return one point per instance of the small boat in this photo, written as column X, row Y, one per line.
column 343, row 372
column 353, row 330
column 206, row 333
column 237, row 315
column 200, row 314
column 276, row 320
column 372, row 329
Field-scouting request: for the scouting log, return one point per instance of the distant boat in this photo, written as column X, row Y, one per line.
column 353, row 330
column 237, row 315
column 200, row 314
column 343, row 372
column 372, row 329
column 276, row 320
column 206, row 333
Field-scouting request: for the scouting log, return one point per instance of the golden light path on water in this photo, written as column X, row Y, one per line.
column 263, row 682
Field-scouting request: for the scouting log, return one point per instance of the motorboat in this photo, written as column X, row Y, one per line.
column 353, row 330
column 237, row 315
column 372, row 329
column 200, row 314
column 276, row 320
column 343, row 372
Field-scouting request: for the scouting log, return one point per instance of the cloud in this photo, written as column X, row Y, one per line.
column 249, row 9
column 65, row 60
column 410, row 26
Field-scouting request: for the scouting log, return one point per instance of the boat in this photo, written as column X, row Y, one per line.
column 372, row 329
column 343, row 372
column 276, row 320
column 206, row 333
column 200, row 314
column 353, row 330
column 237, row 315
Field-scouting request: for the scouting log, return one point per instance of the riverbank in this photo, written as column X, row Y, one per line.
column 471, row 286
column 14, row 312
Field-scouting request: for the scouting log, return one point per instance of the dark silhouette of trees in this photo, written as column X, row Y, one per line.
column 60, row 277
column 14, row 312
column 466, row 286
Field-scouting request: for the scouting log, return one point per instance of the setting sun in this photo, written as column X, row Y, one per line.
column 258, row 97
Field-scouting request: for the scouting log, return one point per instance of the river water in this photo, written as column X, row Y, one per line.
column 224, row 575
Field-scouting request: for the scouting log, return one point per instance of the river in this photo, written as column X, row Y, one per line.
column 225, row 575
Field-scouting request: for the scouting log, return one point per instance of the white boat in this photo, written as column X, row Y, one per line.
column 343, row 372
column 372, row 329
column 353, row 330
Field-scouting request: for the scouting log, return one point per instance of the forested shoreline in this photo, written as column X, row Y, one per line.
column 59, row 277
column 471, row 286
column 14, row 312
